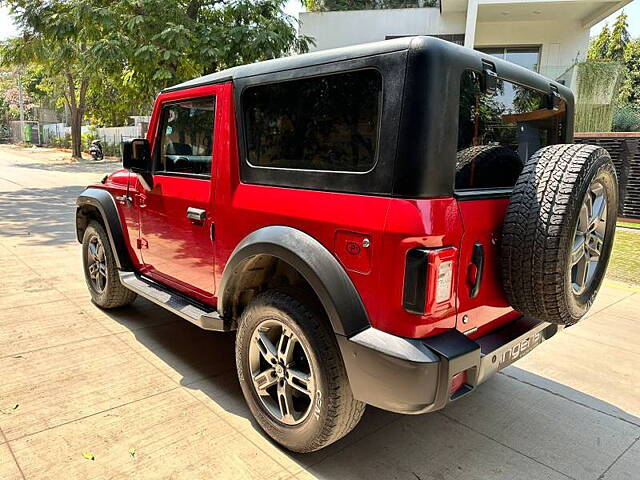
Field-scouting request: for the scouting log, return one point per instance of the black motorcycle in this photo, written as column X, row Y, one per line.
column 95, row 150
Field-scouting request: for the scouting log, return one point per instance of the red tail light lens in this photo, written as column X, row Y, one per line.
column 440, row 276
column 429, row 280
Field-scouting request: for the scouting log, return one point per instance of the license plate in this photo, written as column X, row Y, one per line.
column 519, row 350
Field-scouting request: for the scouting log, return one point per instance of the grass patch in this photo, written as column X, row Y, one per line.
column 624, row 265
column 628, row 224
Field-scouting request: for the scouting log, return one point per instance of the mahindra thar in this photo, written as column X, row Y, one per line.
column 384, row 224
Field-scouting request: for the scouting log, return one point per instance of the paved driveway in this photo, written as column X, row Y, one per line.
column 150, row 396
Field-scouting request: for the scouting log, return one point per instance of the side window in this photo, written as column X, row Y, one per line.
column 498, row 133
column 186, row 137
column 327, row 123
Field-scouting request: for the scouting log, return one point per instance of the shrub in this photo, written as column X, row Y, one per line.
column 626, row 118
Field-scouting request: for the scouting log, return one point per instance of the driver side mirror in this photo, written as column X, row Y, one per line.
column 136, row 156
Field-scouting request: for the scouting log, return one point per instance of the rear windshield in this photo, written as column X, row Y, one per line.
column 327, row 122
column 498, row 133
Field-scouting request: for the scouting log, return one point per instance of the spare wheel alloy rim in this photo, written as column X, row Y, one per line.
column 281, row 373
column 589, row 238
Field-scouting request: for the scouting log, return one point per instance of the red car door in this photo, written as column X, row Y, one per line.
column 176, row 214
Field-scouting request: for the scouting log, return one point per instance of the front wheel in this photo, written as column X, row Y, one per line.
column 292, row 374
column 101, row 271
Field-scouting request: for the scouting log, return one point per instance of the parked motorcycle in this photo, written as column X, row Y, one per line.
column 95, row 150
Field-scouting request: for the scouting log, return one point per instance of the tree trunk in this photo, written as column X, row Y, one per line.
column 76, row 108
column 76, row 133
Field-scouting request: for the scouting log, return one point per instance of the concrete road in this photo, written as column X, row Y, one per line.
column 148, row 395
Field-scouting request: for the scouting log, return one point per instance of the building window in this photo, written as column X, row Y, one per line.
column 327, row 122
column 527, row 57
column 498, row 133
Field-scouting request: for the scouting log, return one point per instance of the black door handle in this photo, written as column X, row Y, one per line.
column 196, row 214
column 477, row 260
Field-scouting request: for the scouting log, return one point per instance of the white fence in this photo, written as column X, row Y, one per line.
column 110, row 135
column 59, row 134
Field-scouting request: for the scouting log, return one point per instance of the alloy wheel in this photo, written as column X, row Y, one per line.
column 281, row 374
column 97, row 264
column 589, row 238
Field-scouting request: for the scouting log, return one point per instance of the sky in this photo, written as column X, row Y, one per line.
column 7, row 29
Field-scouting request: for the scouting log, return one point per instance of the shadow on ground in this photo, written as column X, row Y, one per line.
column 517, row 425
column 48, row 213
column 84, row 166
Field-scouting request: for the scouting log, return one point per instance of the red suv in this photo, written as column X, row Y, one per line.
column 384, row 224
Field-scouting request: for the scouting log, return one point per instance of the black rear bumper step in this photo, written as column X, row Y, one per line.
column 415, row 375
column 198, row 314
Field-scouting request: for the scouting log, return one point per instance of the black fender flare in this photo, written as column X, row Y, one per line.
column 314, row 262
column 103, row 202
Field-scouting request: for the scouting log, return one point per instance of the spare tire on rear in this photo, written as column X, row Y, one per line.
column 487, row 166
column 558, row 232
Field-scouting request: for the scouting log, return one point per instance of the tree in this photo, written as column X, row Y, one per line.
column 60, row 36
column 106, row 55
column 599, row 47
column 630, row 91
column 619, row 38
column 337, row 5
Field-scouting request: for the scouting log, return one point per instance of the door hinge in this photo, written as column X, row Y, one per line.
column 142, row 243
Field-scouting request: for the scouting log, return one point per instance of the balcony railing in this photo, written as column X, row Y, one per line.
column 341, row 5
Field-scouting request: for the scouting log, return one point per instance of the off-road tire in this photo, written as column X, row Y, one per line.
column 114, row 294
column 335, row 411
column 485, row 166
column 539, row 229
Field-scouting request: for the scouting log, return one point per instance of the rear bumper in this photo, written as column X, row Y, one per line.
column 415, row 375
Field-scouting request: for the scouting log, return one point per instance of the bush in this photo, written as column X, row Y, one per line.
column 626, row 118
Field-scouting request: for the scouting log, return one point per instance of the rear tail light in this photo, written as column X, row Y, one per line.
column 428, row 280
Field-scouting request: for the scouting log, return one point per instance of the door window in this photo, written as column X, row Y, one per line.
column 186, row 137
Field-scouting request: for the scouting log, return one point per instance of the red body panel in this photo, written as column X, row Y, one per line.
column 184, row 257
column 482, row 221
column 175, row 249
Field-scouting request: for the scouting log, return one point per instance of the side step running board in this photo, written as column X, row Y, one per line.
column 174, row 302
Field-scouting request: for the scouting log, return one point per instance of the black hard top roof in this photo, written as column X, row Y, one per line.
column 298, row 61
column 417, row 45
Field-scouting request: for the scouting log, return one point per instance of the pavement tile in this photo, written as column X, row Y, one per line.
column 428, row 447
column 140, row 314
column 43, row 326
column 223, row 395
column 8, row 468
column 585, row 365
column 544, row 426
column 607, row 297
column 627, row 467
column 173, row 434
column 184, row 352
column 598, row 327
column 29, row 297
column 64, row 383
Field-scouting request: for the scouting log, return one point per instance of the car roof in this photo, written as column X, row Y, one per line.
column 420, row 47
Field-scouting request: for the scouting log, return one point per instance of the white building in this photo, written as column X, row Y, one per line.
column 548, row 36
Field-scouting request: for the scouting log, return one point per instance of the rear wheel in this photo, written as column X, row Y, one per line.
column 292, row 375
column 101, row 271
column 558, row 232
